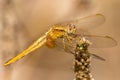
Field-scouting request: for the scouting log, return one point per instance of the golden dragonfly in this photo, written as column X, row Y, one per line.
column 65, row 31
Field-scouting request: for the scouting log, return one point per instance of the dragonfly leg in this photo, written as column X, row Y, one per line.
column 64, row 45
column 69, row 38
column 66, row 48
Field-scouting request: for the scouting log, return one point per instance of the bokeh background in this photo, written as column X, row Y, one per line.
column 53, row 64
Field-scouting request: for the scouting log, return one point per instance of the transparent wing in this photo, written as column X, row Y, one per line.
column 70, row 47
column 101, row 41
column 37, row 44
column 97, row 57
column 98, row 41
column 89, row 22
column 86, row 23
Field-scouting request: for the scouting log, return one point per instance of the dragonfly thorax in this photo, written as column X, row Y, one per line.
column 59, row 31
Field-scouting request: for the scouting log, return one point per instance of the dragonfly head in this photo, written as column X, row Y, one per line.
column 71, row 29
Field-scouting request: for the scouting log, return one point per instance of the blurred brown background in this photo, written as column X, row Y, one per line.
column 53, row 64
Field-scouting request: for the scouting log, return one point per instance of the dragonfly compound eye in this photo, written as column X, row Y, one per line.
column 72, row 29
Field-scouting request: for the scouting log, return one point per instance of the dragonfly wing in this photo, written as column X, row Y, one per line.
column 89, row 22
column 101, row 41
column 97, row 57
column 96, row 42
column 85, row 24
column 37, row 44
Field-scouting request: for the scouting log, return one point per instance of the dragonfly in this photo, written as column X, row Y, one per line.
column 66, row 32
